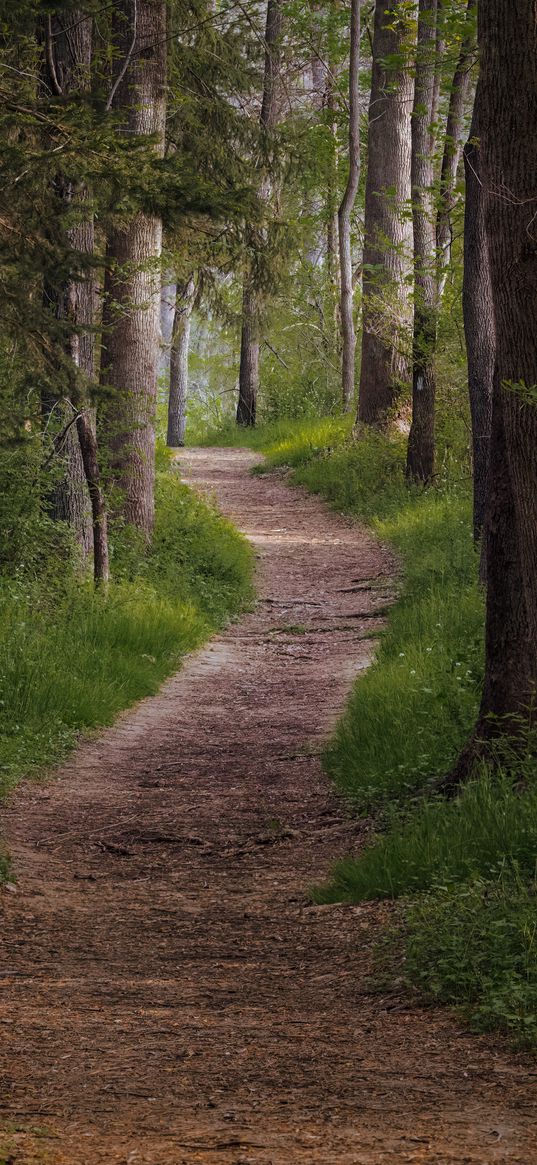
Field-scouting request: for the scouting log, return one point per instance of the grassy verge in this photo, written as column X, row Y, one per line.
column 72, row 659
column 464, row 872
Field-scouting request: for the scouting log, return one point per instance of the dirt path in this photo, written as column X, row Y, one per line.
column 168, row 995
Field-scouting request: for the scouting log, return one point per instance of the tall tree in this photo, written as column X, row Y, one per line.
column 179, row 363
column 478, row 311
column 348, row 333
column 420, row 456
column 132, row 289
column 387, row 258
column 430, row 281
column 453, row 142
column 507, row 35
column 252, row 299
column 68, row 53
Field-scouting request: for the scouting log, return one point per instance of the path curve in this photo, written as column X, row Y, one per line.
column 168, row 994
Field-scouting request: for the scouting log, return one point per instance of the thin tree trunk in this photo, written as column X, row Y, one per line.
column 168, row 298
column 252, row 300
column 131, row 316
column 478, row 311
column 508, row 157
column 454, row 136
column 179, row 364
column 420, row 455
column 348, row 334
column 386, row 319
column 90, row 457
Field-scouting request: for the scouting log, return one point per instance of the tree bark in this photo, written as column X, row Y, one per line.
column 90, row 458
column 454, row 136
column 168, row 300
column 131, row 315
column 67, row 71
column 386, row 315
column 179, row 364
column 69, row 56
column 348, row 333
column 420, row 454
column 507, row 36
column 479, row 325
column 252, row 300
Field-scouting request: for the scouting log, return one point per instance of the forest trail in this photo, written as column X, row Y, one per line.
column 169, row 996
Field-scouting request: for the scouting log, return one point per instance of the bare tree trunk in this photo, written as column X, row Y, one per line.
column 420, row 455
column 252, row 300
column 454, row 137
column 131, row 316
column 508, row 159
column 90, row 457
column 478, row 310
column 348, row 334
column 179, row 364
column 168, row 297
column 325, row 80
column 386, row 319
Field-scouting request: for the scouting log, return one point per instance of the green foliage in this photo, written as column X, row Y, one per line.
column 73, row 658
column 474, row 944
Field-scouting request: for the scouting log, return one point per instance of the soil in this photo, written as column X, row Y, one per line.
column 169, row 994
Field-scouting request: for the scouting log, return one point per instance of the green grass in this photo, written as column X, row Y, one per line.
column 489, row 829
column 72, row 658
column 464, row 871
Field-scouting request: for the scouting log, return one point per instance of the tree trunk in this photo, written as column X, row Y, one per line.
column 252, row 300
column 131, row 315
column 478, row 311
column 386, row 318
column 90, row 458
column 458, row 98
column 420, row 455
column 69, row 55
column 168, row 298
column 348, row 334
column 508, row 157
column 68, row 49
column 179, row 364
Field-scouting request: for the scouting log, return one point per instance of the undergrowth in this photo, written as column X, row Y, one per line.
column 73, row 658
column 464, row 871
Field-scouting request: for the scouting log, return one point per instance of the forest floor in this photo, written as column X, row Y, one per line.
column 169, row 994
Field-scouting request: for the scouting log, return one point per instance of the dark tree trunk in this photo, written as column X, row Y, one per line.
column 420, row 455
column 386, row 315
column 90, row 458
column 348, row 334
column 508, row 156
column 252, row 300
column 179, row 364
column 249, row 362
column 478, row 310
column 131, row 316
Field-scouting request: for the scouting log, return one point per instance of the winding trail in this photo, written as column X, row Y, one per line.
column 168, row 994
